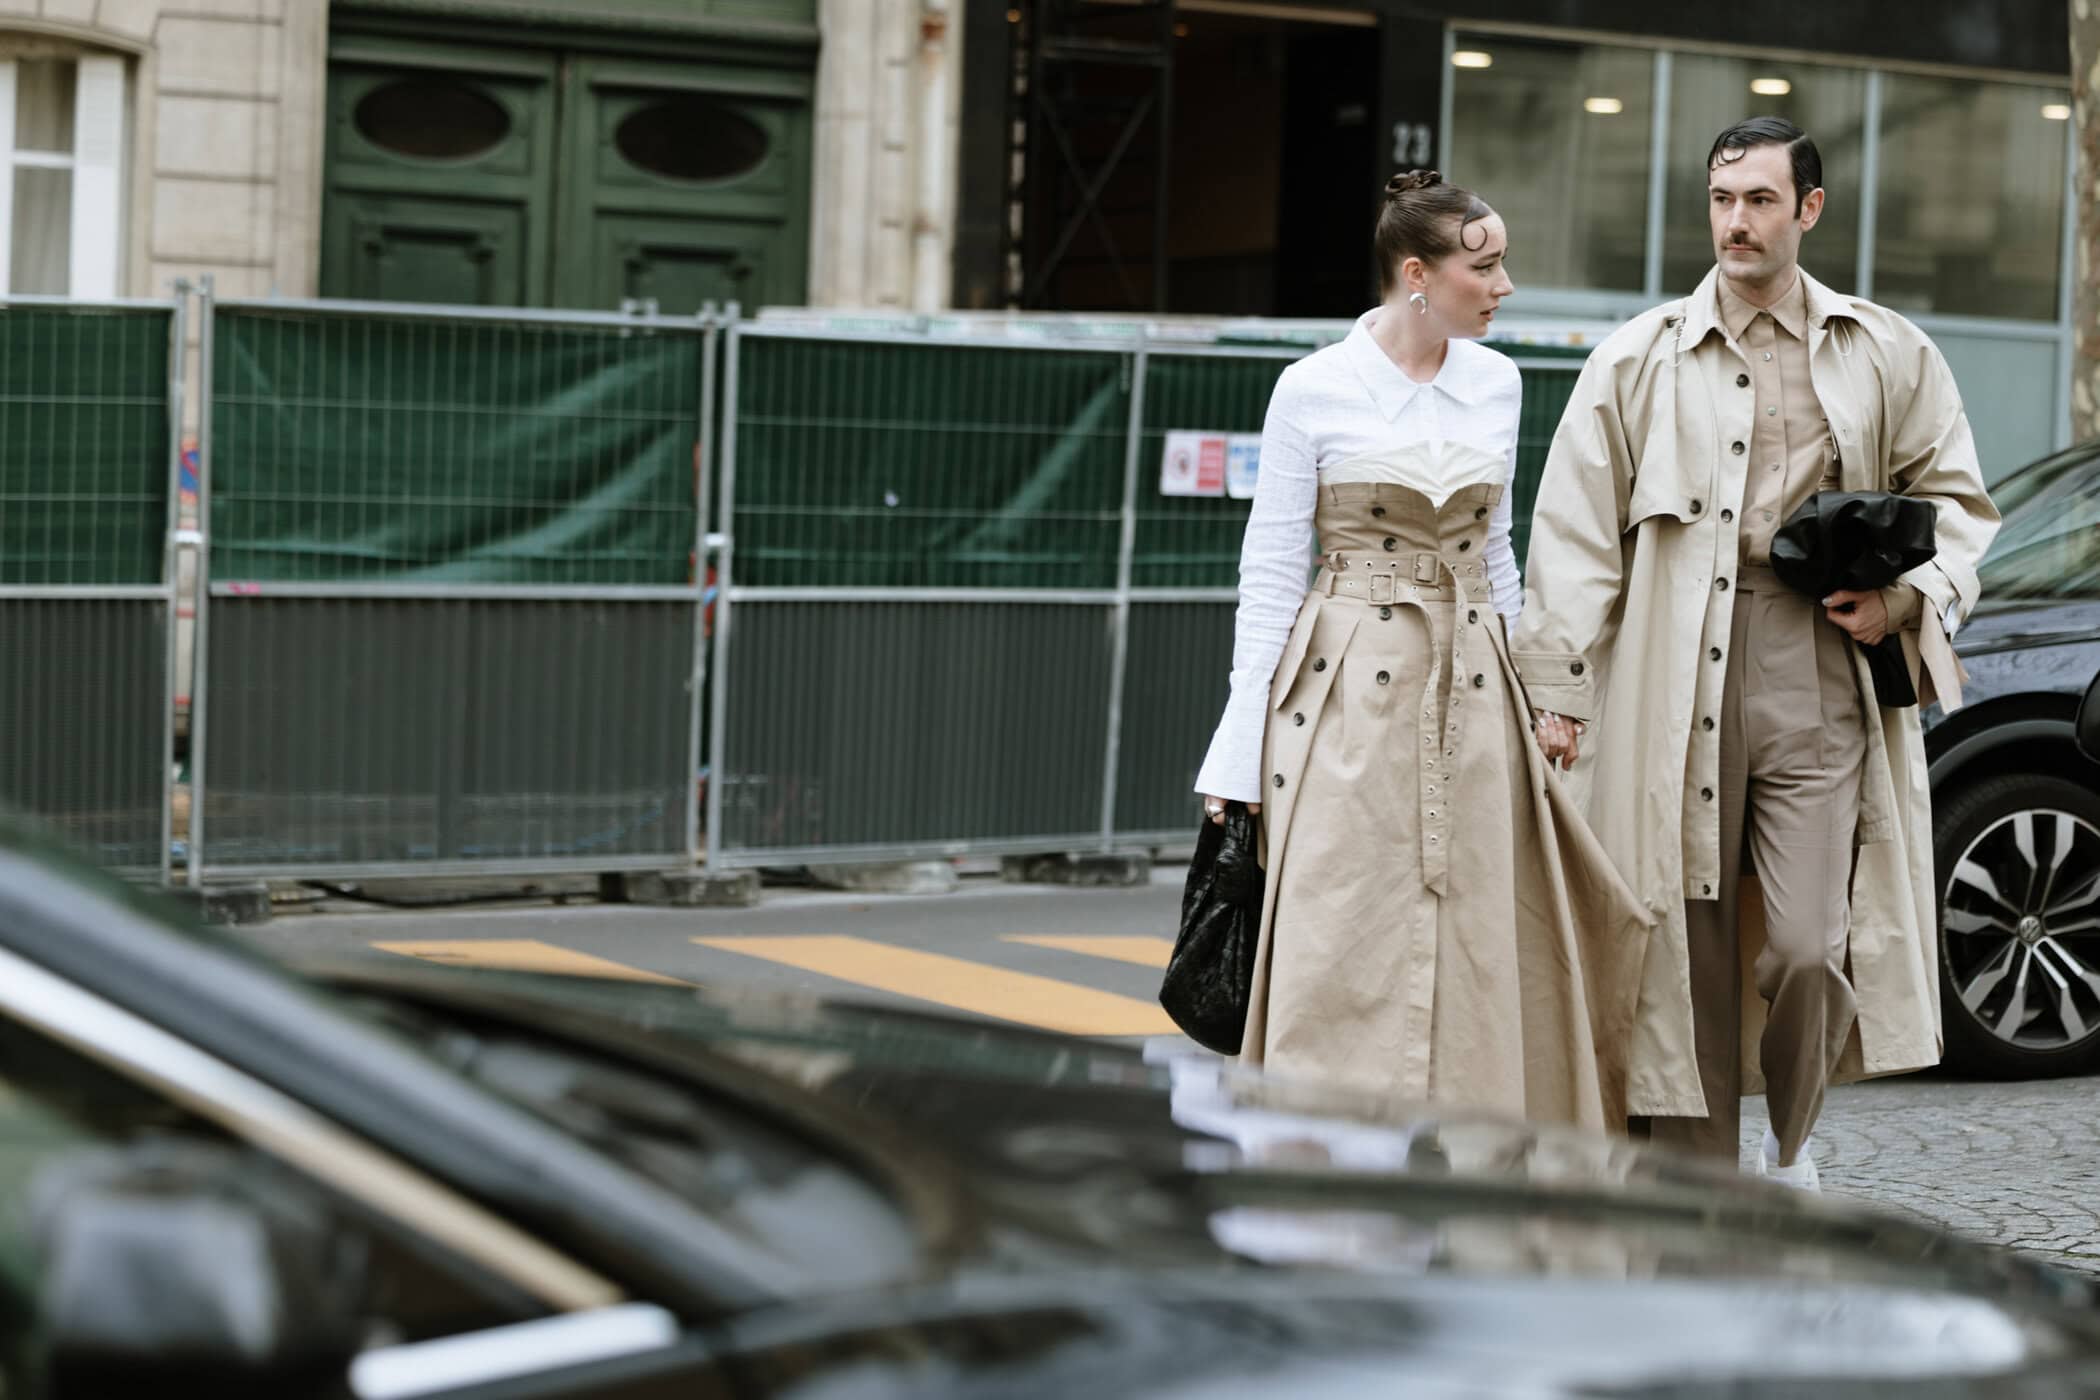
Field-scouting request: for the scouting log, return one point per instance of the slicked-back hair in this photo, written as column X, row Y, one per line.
column 1752, row 132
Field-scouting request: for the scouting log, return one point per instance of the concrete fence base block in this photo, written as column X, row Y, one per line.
column 681, row 889
column 1117, row 871
column 226, row 904
column 897, row 877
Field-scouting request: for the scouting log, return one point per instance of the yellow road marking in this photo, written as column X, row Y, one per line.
column 1141, row 949
column 1042, row 1002
column 523, row 955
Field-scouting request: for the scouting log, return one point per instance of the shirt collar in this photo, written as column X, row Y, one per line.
column 1790, row 311
column 1702, row 309
column 1390, row 388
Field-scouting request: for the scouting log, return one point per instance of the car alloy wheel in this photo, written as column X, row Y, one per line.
column 2020, row 916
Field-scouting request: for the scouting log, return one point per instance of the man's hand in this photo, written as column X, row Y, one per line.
column 1559, row 737
column 1862, row 614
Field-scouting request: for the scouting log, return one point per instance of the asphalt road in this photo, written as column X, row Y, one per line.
column 2015, row 1164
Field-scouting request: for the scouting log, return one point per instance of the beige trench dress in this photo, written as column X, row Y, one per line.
column 1438, row 921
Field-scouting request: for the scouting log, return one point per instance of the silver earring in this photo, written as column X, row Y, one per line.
column 1419, row 302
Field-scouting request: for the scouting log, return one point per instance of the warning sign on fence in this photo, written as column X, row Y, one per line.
column 1198, row 463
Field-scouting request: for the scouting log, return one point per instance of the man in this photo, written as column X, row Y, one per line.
column 1713, row 708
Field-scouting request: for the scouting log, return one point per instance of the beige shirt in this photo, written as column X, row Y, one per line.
column 1792, row 452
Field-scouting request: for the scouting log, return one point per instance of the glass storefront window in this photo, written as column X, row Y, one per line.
column 1709, row 94
column 1971, row 186
column 1556, row 137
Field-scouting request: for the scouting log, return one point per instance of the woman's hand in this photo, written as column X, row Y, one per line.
column 1214, row 808
column 1559, row 738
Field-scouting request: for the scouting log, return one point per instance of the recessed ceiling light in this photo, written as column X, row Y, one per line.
column 1771, row 87
column 2057, row 111
column 1603, row 106
column 1472, row 58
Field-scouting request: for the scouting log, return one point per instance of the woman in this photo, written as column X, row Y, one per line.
column 1438, row 921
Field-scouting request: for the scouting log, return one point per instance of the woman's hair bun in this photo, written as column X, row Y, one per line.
column 1412, row 180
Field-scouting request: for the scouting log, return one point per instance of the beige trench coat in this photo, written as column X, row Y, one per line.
column 1637, row 518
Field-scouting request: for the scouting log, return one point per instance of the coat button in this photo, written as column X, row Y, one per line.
column 1299, row 718
column 1472, row 614
column 1707, row 724
column 1480, row 514
column 1385, row 614
column 1279, row 780
column 1727, row 515
column 1698, row 506
column 1706, row 889
column 1736, row 448
column 1722, row 584
column 1479, row 681
column 1391, row 544
column 1714, row 652
column 1384, row 677
column 1575, row 668
column 1742, row 381
column 1378, row 511
column 1320, row 664
column 1464, row 545
column 1706, row 794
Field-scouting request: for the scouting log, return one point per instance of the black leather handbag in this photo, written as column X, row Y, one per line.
column 1210, row 974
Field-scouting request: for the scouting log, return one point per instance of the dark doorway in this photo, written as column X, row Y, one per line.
column 1329, row 186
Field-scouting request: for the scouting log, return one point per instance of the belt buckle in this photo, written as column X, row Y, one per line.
column 1385, row 577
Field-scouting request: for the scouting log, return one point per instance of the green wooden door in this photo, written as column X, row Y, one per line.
column 441, row 176
column 686, row 184
column 496, row 177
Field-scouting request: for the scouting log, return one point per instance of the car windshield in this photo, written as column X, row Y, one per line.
column 2049, row 546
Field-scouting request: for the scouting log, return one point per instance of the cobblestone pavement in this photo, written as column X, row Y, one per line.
column 2015, row 1164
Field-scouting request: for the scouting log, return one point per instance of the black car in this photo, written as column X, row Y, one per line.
column 2016, row 803
column 220, row 1178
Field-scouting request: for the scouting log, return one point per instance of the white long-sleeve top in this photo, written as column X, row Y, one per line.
column 1344, row 402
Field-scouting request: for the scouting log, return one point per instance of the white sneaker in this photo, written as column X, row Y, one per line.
column 1801, row 1176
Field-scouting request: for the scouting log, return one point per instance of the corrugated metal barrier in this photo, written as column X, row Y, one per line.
column 454, row 595
column 459, row 598
column 88, row 453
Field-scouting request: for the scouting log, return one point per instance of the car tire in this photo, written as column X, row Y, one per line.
column 1994, row 844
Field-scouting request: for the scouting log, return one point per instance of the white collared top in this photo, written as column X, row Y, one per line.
column 1342, row 403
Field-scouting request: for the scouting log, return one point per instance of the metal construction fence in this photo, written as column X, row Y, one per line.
column 90, row 397
column 479, row 595
column 958, row 613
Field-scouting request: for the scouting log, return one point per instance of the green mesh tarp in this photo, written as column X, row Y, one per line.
column 83, row 445
column 877, row 464
column 371, row 448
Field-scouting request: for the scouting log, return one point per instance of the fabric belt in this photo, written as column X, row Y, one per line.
column 1759, row 578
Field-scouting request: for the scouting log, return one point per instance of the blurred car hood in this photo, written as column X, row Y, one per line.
column 1047, row 1153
